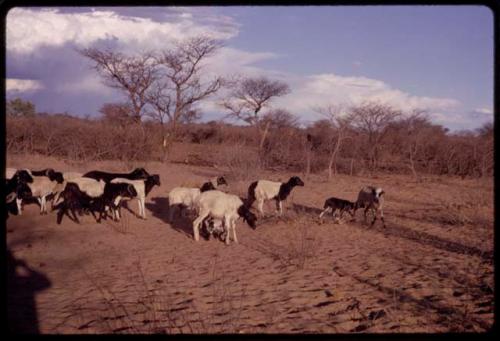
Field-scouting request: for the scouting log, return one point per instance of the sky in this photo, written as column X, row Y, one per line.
column 435, row 58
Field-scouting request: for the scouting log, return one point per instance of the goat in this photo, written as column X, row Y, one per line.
column 143, row 187
column 213, row 227
column 213, row 183
column 340, row 204
column 91, row 187
column 136, row 174
column 185, row 197
column 14, row 192
column 76, row 199
column 71, row 175
column 41, row 188
column 50, row 173
column 22, row 176
column 265, row 190
column 220, row 205
column 371, row 197
column 43, row 184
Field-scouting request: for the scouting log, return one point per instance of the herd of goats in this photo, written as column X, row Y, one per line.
column 102, row 192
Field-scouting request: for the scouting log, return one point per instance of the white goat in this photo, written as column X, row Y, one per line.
column 265, row 190
column 181, row 196
column 142, row 187
column 220, row 205
column 371, row 197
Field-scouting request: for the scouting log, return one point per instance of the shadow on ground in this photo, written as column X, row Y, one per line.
column 160, row 209
column 23, row 283
column 417, row 236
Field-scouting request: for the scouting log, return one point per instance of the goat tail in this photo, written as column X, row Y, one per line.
column 251, row 194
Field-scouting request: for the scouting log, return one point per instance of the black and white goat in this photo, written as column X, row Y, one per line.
column 371, row 197
column 222, row 206
column 213, row 183
column 266, row 190
column 136, row 174
column 43, row 183
column 142, row 187
column 15, row 192
column 76, row 199
column 20, row 177
column 335, row 204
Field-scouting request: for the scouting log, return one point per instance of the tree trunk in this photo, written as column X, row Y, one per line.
column 330, row 168
column 263, row 135
column 412, row 165
column 308, row 159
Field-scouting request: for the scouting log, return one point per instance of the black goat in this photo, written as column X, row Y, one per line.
column 136, row 174
column 340, row 204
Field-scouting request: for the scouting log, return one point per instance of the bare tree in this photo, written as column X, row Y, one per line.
column 416, row 129
column 340, row 124
column 133, row 75
column 249, row 97
column 372, row 119
column 180, row 87
column 486, row 143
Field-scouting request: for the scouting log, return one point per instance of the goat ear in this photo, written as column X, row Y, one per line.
column 382, row 192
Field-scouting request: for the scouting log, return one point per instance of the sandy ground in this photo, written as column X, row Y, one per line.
column 423, row 273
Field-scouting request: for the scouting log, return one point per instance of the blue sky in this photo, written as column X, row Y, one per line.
column 438, row 58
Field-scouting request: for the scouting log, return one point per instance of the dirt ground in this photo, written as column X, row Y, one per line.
column 430, row 270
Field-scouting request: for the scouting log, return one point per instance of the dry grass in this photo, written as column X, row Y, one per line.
column 160, row 314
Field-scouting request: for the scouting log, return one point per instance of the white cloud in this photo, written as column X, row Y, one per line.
column 485, row 111
column 324, row 89
column 30, row 29
column 22, row 85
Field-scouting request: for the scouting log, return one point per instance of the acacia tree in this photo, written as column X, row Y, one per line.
column 249, row 97
column 372, row 119
column 340, row 124
column 179, row 87
column 132, row 75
